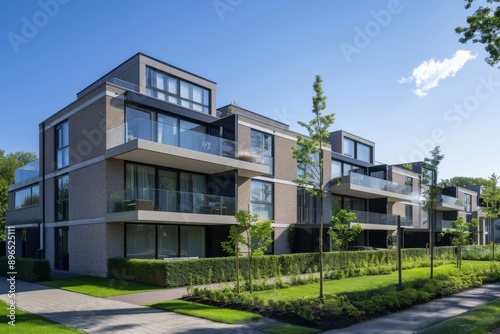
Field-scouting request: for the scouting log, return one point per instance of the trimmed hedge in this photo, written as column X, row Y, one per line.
column 31, row 270
column 216, row 270
column 480, row 252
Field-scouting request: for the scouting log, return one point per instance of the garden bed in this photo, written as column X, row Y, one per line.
column 345, row 308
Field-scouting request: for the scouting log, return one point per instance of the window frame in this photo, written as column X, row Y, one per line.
column 467, row 202
column 264, row 137
column 177, row 96
column 29, row 197
column 181, row 245
column 64, row 200
column 260, row 201
column 61, row 130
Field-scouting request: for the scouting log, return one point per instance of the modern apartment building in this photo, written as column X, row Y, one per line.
column 143, row 165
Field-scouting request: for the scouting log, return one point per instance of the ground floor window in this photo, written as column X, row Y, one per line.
column 158, row 241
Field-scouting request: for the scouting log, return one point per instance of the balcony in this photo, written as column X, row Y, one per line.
column 363, row 186
column 149, row 204
column 379, row 221
column 161, row 144
column 448, row 203
column 27, row 171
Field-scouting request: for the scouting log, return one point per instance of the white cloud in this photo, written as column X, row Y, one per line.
column 428, row 74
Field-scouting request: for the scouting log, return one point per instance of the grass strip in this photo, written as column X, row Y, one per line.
column 291, row 329
column 98, row 286
column 477, row 321
column 214, row 313
column 31, row 323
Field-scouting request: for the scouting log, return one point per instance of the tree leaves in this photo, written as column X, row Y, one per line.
column 483, row 27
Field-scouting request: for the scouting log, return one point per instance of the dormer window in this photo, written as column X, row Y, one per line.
column 174, row 90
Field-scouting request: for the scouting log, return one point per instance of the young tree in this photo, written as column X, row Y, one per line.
column 342, row 233
column 431, row 190
column 309, row 155
column 250, row 236
column 460, row 233
column 491, row 197
column 483, row 27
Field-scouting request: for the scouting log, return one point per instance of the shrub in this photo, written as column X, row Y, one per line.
column 27, row 269
column 215, row 270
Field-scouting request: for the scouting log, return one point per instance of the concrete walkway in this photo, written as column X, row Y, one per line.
column 101, row 315
column 423, row 316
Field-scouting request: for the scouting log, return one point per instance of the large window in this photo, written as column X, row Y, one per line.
column 262, row 200
column 27, row 197
column 165, row 190
column 363, row 152
column 170, row 130
column 347, row 203
column 309, row 172
column 174, row 90
column 357, row 150
column 349, row 147
column 62, row 145
column 408, row 214
column 468, row 202
column 262, row 146
column 141, row 243
column 336, row 168
column 158, row 241
column 139, row 124
column 308, row 207
column 140, row 183
column 192, row 241
column 62, row 198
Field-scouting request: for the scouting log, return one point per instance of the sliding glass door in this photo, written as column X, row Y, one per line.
column 167, row 190
column 139, row 124
column 192, row 191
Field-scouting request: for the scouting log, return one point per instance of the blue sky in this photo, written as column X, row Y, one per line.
column 264, row 56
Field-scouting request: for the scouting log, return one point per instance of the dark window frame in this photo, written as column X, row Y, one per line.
column 61, row 130
column 263, row 134
column 30, row 197
column 61, row 201
column 205, row 108
column 179, row 246
column 262, row 202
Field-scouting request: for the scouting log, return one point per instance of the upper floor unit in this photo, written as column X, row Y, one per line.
column 354, row 172
column 148, row 111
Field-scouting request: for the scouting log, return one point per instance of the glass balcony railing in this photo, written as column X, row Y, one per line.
column 373, row 183
column 451, row 201
column 27, row 171
column 307, row 215
column 152, row 199
column 192, row 139
column 364, row 217
column 124, row 84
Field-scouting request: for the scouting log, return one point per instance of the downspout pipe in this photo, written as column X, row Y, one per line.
column 42, row 227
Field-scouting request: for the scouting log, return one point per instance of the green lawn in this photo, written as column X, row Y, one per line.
column 30, row 323
column 99, row 287
column 219, row 314
column 363, row 283
column 477, row 321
